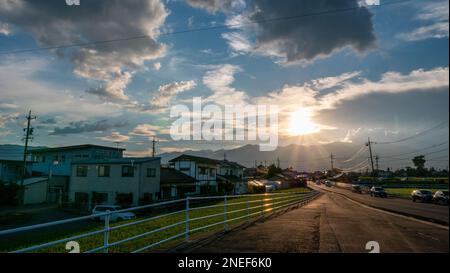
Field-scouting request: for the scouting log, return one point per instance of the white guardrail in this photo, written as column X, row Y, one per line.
column 243, row 207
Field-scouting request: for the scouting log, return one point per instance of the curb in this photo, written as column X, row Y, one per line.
column 415, row 216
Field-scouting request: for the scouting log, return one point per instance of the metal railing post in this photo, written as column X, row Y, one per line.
column 106, row 232
column 248, row 205
column 225, row 213
column 187, row 219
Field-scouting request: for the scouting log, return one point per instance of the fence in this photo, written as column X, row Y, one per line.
column 183, row 218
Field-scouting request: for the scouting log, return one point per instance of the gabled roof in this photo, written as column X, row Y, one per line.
column 172, row 176
column 123, row 160
column 223, row 163
column 195, row 158
column 75, row 147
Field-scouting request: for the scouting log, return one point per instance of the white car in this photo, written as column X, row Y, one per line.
column 115, row 216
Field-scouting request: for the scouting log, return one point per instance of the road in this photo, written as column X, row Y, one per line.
column 330, row 224
column 426, row 211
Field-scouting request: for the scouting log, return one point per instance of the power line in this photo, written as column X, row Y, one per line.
column 417, row 151
column 223, row 26
column 413, row 136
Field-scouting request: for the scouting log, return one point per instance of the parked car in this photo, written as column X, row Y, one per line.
column 378, row 192
column 422, row 195
column 115, row 216
column 328, row 183
column 441, row 197
column 356, row 188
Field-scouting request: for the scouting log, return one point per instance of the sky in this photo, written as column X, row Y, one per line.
column 339, row 71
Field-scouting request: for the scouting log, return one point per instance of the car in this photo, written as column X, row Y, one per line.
column 115, row 216
column 378, row 192
column 356, row 188
column 318, row 182
column 328, row 183
column 441, row 197
column 422, row 196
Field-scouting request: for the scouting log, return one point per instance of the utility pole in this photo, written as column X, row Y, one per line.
column 369, row 144
column 332, row 161
column 28, row 136
column 278, row 162
column 153, row 147
column 376, row 164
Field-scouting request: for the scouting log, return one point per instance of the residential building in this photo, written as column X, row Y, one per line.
column 202, row 169
column 56, row 164
column 124, row 181
column 230, row 177
column 11, row 170
column 175, row 184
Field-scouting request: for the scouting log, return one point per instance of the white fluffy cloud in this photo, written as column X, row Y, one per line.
column 219, row 81
column 166, row 93
column 54, row 24
column 213, row 6
column 435, row 15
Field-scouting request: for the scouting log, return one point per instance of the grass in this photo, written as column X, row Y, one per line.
column 178, row 215
column 405, row 192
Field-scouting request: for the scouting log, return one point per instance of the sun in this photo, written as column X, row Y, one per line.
column 302, row 124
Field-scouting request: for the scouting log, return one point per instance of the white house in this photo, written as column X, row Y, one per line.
column 125, row 181
column 212, row 175
column 202, row 169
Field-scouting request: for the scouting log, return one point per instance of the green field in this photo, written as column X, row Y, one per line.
column 156, row 222
column 405, row 192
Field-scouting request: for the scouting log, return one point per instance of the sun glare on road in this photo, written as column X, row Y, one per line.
column 302, row 123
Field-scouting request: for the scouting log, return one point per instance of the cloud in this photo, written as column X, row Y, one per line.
column 147, row 130
column 7, row 118
column 7, row 106
column 166, row 93
column 5, row 29
column 87, row 127
column 157, row 66
column 306, row 38
column 115, row 137
column 347, row 87
column 219, row 81
column 212, row 6
column 435, row 15
column 47, row 98
column 53, row 24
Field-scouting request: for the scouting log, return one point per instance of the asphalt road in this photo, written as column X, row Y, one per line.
column 330, row 224
column 425, row 211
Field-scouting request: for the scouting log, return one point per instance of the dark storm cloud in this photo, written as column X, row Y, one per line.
column 87, row 127
column 335, row 25
column 53, row 23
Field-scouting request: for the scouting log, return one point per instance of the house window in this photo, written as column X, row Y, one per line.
column 82, row 171
column 62, row 158
column 103, row 171
column 212, row 173
column 127, row 171
column 202, row 170
column 151, row 172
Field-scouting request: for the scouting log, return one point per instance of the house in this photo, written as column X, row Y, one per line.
column 123, row 181
column 176, row 184
column 202, row 169
column 56, row 163
column 11, row 170
column 230, row 177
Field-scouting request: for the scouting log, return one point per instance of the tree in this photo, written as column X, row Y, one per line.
column 273, row 170
column 419, row 162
